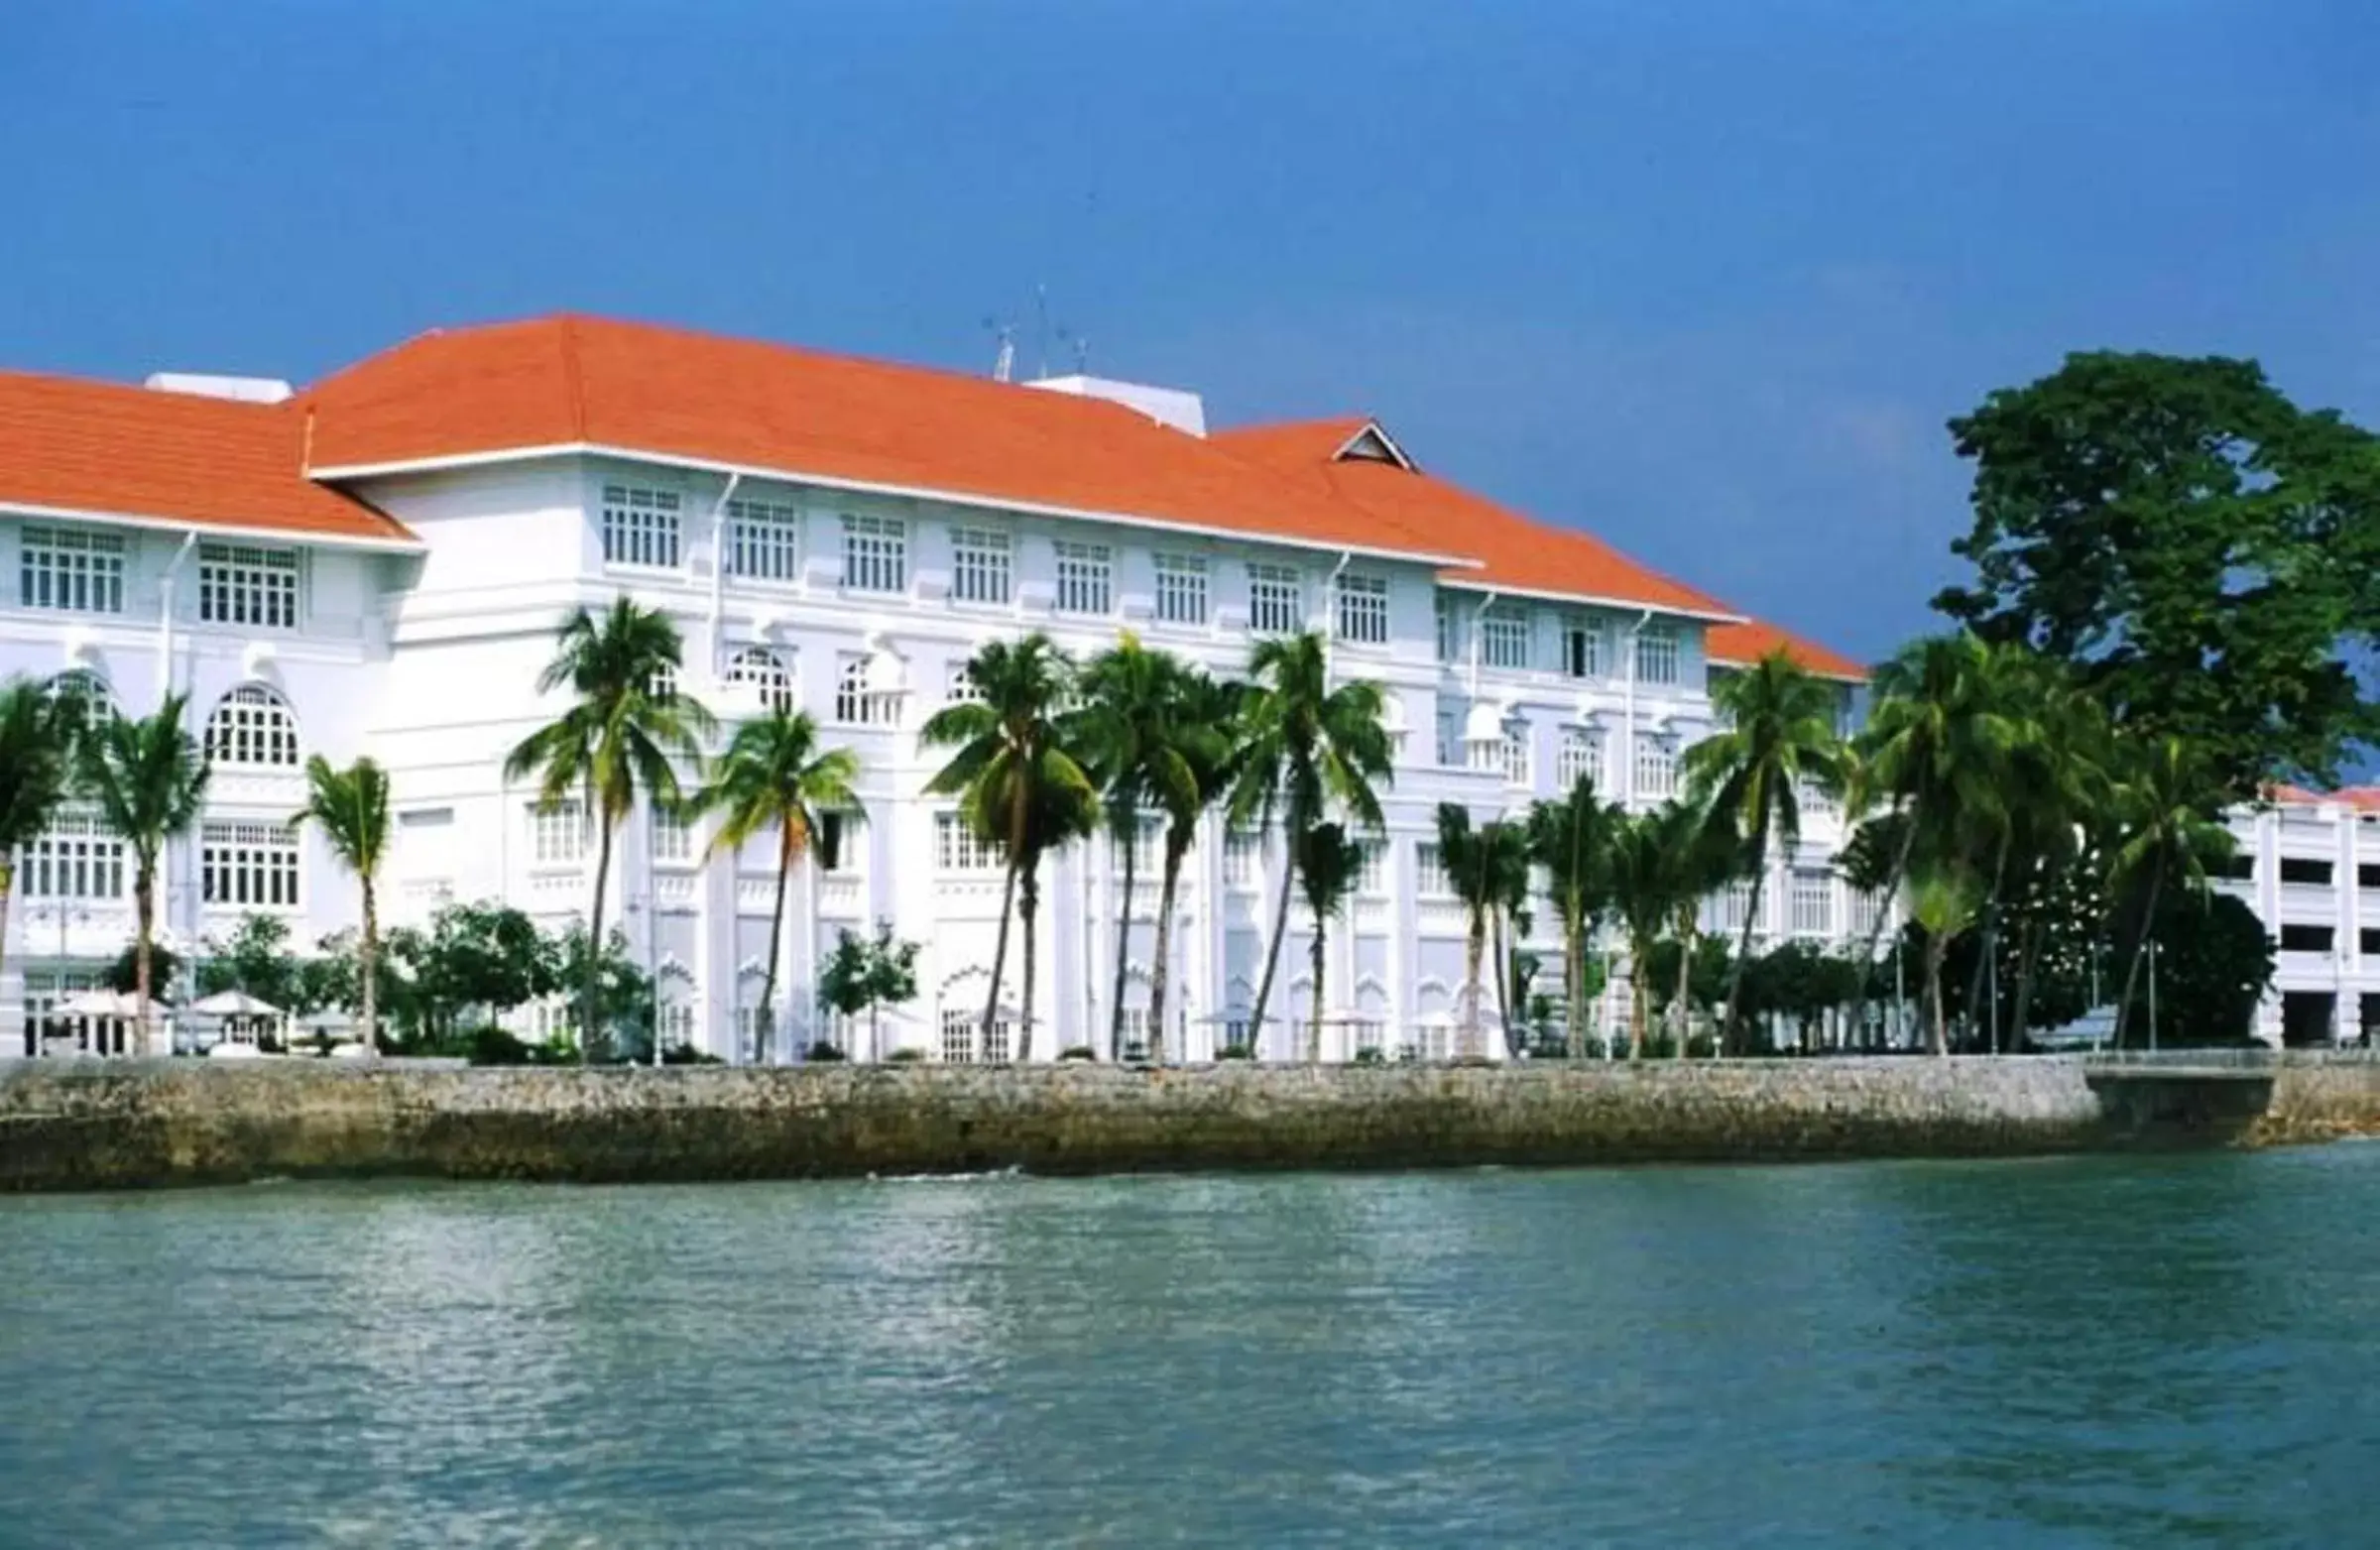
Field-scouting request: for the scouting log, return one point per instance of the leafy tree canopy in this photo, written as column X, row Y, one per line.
column 2200, row 550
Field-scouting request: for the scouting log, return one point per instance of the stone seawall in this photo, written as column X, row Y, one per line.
column 2318, row 1100
column 100, row 1125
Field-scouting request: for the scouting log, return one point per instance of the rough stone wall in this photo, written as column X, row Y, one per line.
column 100, row 1124
column 2321, row 1100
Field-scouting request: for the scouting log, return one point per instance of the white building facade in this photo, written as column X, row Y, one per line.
column 2309, row 865
column 377, row 566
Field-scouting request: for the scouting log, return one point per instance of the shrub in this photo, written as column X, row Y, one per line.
column 1370, row 1057
column 1078, row 1052
column 493, row 1046
column 688, row 1055
column 822, row 1052
column 1237, row 1052
column 907, row 1055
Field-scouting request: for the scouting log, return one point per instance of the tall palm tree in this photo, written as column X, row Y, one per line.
column 626, row 730
column 36, row 770
column 1020, row 788
column 1572, row 840
column 1935, row 745
column 1779, row 733
column 1467, row 856
column 1129, row 730
column 1204, row 712
column 351, row 808
column 147, row 779
column 1305, row 747
column 1651, row 877
column 1944, row 900
column 774, row 777
column 1705, row 855
column 1329, row 861
column 1507, row 864
column 2163, row 800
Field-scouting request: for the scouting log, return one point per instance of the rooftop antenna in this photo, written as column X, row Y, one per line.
column 1080, row 348
column 1041, row 330
column 1003, row 365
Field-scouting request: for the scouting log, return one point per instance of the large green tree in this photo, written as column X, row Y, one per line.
column 350, row 807
column 1306, row 747
column 626, row 730
column 1022, row 788
column 775, row 779
column 2201, row 552
column 147, row 779
column 2168, row 832
column 869, row 974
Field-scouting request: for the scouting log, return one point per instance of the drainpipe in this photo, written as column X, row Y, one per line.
column 719, row 562
column 165, row 614
column 1478, row 615
column 1627, row 714
column 708, row 997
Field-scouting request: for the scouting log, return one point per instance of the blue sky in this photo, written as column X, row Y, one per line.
column 1706, row 278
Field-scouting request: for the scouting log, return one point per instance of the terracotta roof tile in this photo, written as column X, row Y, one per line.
column 1744, row 644
column 561, row 381
column 108, row 449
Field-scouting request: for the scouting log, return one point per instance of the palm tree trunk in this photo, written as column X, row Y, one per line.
column 1640, row 956
column 1875, row 928
column 1475, row 943
column 1987, row 959
column 2028, row 946
column 1000, row 953
column 1503, row 980
column 776, row 933
column 143, row 907
column 1574, row 976
column 1729, row 1040
column 586, row 1014
column 1123, row 940
column 1280, row 928
column 1160, row 960
column 1028, row 889
column 368, row 962
column 1937, row 949
column 8, row 883
column 2140, row 940
column 1685, row 986
column 1314, row 1031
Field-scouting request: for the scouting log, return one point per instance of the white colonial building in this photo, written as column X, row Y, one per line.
column 2309, row 865
column 376, row 564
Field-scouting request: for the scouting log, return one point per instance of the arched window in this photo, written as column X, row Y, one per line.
column 87, row 688
column 766, row 671
column 252, row 726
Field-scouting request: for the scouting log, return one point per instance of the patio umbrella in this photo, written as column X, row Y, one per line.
column 99, row 1004
column 234, row 1003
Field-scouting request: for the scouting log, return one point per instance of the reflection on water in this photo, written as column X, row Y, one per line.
column 2155, row 1352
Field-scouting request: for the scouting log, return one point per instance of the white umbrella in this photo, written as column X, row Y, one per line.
column 234, row 1003
column 99, row 1004
column 327, row 1020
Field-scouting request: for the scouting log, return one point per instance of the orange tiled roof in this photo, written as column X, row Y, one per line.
column 1744, row 644
column 571, row 381
column 1513, row 551
column 2363, row 799
column 106, row 449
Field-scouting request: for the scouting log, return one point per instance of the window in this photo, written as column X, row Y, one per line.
column 74, row 858
column 1505, row 638
column 1656, row 767
column 1813, row 797
column 1372, row 875
column 856, row 703
column 252, row 726
column 1450, row 630
column 2240, row 867
column 1583, row 649
column 1513, row 755
column 2299, row 869
column 958, row 848
column 1656, row 655
column 248, row 864
column 677, row 1024
column 1148, row 838
column 766, row 673
column 876, row 555
column 962, row 690
column 1277, row 601
column 1580, row 757
column 1813, row 903
column 833, row 853
column 661, row 682
column 1240, row 859
column 1364, row 610
column 242, row 584
column 981, row 568
column 2304, row 938
column 1449, row 736
column 71, row 571
column 1086, row 578
column 85, row 689
column 672, row 836
column 639, row 526
column 1866, row 908
column 557, row 835
column 958, row 1035
column 2366, row 873
column 1732, row 905
column 1431, row 881
column 1181, row 589
column 764, row 540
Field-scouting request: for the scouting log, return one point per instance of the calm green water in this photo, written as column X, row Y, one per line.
column 2158, row 1351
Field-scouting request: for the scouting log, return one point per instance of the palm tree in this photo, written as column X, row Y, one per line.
column 1129, row 732
column 147, row 779
column 1466, row 854
column 1204, row 711
column 36, row 769
column 1705, row 855
column 1944, row 900
column 1935, row 745
column 627, row 729
column 1571, row 839
column 351, row 808
column 775, row 778
column 1653, row 878
column 1508, row 867
column 2162, row 802
column 1779, row 733
column 1304, row 747
column 1329, row 861
column 1020, row 785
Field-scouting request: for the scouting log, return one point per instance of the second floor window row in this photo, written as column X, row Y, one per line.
column 74, row 858
column 242, row 584
column 71, row 570
column 1277, row 601
column 764, row 540
column 981, row 568
column 876, row 555
column 1364, row 610
column 248, row 864
column 1505, row 638
column 641, row 527
column 1086, row 578
column 1181, row 589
